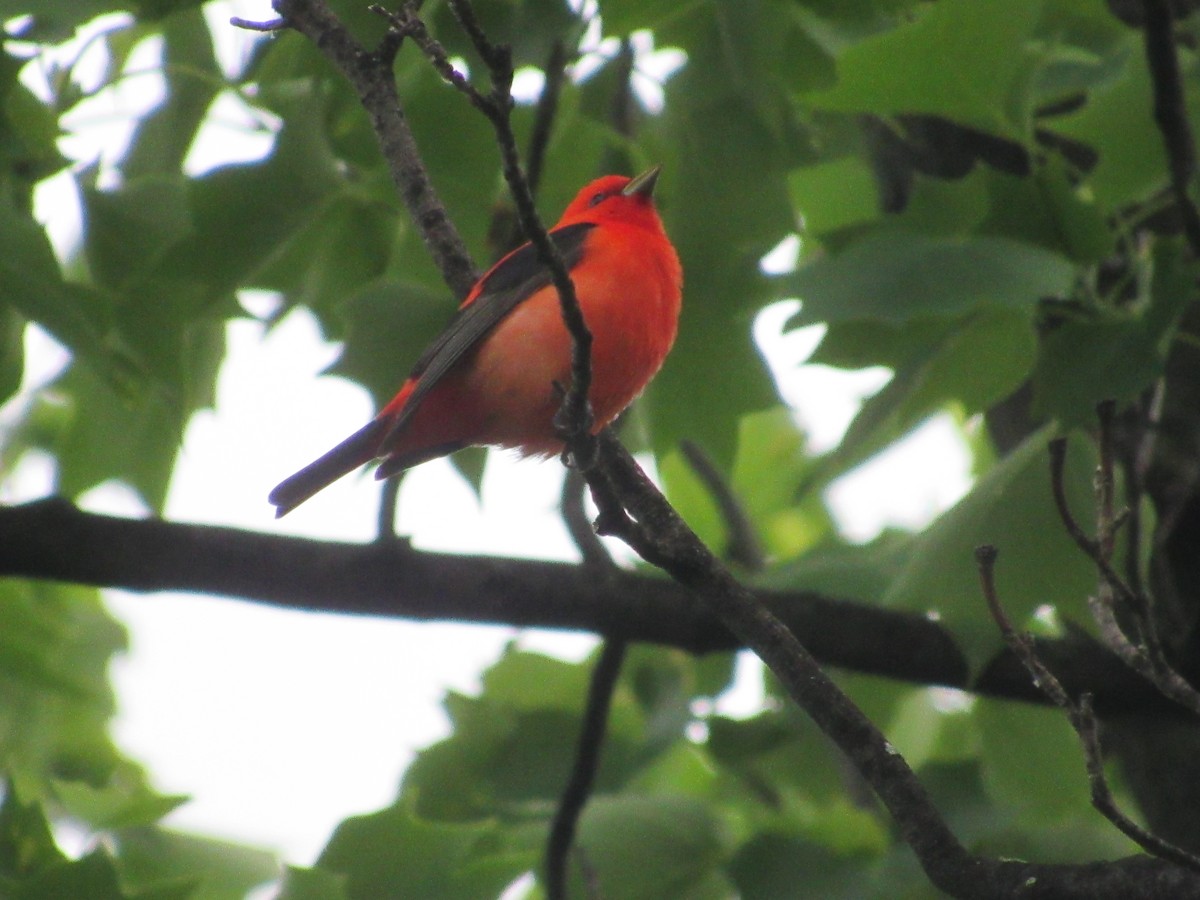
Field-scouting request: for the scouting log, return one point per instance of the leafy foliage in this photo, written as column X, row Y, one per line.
column 978, row 187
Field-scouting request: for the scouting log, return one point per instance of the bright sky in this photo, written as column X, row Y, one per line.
column 281, row 724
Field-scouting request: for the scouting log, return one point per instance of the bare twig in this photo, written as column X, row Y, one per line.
column 385, row 520
column 583, row 773
column 1081, row 717
column 601, row 686
column 1090, row 546
column 266, row 27
column 1170, row 112
column 555, row 72
column 1146, row 655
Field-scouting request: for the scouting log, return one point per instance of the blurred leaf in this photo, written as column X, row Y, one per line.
column 835, row 194
column 27, row 844
column 132, row 436
column 54, row 20
column 899, row 276
column 214, row 869
column 1118, row 121
column 773, row 865
column 652, row 847
column 94, row 876
column 193, row 79
column 396, row 854
column 982, row 44
column 859, row 572
column 114, row 805
column 12, row 352
column 528, row 26
column 386, row 328
column 1049, row 210
column 28, row 130
column 621, row 17
column 31, row 282
column 1011, row 507
column 131, row 230
column 313, row 884
column 55, row 700
column 975, row 363
column 513, row 745
column 1082, row 362
column 1032, row 761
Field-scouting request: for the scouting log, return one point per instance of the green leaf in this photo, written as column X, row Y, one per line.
column 1082, row 362
column 975, row 363
column 860, row 572
column 899, row 276
column 54, row 20
column 835, row 195
column 12, row 353
column 962, row 59
column 162, row 139
column 27, row 844
column 131, row 230
column 621, row 17
column 129, row 435
column 651, row 847
column 1118, row 122
column 396, row 854
column 55, row 700
column 773, row 865
column 28, row 130
column 386, row 328
column 212, row 869
column 1012, row 508
column 31, row 282
column 118, row 804
column 513, row 746
column 313, row 884
column 1032, row 761
column 1051, row 210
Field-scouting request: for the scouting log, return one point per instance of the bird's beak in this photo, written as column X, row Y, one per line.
column 643, row 185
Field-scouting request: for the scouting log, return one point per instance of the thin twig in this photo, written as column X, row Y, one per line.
column 744, row 546
column 385, row 520
column 578, row 789
column 575, row 517
column 1170, row 112
column 1080, row 715
column 1090, row 546
column 266, row 27
column 555, row 72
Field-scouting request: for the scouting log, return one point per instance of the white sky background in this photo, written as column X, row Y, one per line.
column 281, row 724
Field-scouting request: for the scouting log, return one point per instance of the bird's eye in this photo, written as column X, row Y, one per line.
column 597, row 199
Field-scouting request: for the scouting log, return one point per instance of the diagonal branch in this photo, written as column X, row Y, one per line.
column 370, row 74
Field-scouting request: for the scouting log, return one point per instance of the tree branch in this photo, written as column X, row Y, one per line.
column 370, row 74
column 52, row 539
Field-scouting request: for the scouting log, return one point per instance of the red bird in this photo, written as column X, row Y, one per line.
column 489, row 377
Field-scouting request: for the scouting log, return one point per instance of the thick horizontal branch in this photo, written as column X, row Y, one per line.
column 52, row 539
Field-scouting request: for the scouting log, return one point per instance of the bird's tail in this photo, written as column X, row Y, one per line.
column 356, row 450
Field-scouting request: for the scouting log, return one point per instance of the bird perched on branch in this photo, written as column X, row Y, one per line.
column 493, row 376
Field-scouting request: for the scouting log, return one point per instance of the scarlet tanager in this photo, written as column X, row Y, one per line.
column 489, row 378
